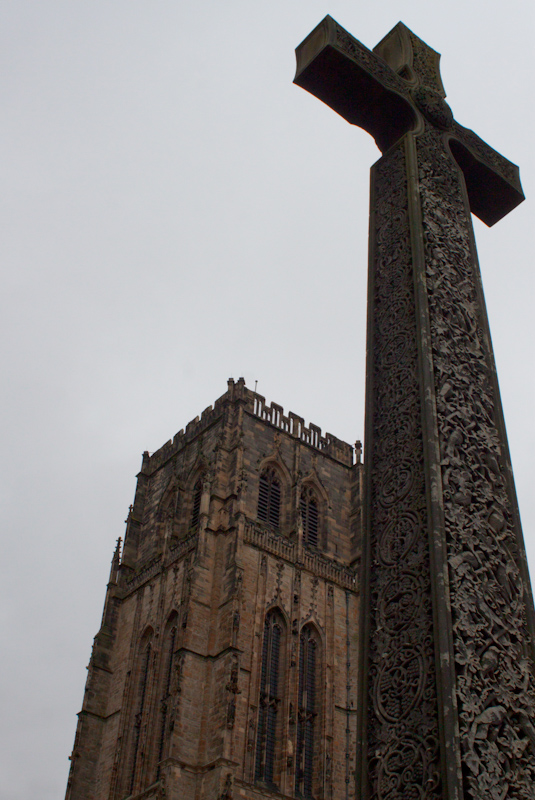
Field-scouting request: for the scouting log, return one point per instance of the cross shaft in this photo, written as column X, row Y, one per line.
column 447, row 685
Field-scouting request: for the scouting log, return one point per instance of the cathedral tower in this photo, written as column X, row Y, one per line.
column 225, row 665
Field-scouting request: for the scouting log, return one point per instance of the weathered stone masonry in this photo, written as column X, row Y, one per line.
column 171, row 706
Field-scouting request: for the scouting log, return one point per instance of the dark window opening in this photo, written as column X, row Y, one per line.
column 306, row 713
column 269, row 701
column 269, row 498
column 196, row 510
column 310, row 517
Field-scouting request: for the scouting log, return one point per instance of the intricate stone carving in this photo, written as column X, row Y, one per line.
column 433, row 107
column 440, row 496
column 277, row 597
column 489, row 615
column 313, row 597
column 425, row 63
column 403, row 717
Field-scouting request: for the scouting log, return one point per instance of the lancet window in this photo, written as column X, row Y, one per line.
column 307, row 712
column 269, row 498
column 269, row 709
column 310, row 516
column 196, row 507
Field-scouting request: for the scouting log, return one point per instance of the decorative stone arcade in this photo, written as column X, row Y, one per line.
column 447, row 703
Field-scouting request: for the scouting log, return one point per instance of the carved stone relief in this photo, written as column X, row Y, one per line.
column 402, row 721
column 277, row 597
column 493, row 670
column 425, row 63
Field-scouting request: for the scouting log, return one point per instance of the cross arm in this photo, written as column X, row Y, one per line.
column 492, row 182
column 354, row 82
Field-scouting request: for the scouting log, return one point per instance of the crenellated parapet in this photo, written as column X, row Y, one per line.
column 254, row 404
column 295, row 426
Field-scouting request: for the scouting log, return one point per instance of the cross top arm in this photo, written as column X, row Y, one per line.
column 394, row 89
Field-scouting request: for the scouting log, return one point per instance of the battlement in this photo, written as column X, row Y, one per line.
column 255, row 404
column 294, row 425
column 210, row 414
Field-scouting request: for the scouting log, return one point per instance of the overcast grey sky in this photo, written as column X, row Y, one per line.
column 175, row 212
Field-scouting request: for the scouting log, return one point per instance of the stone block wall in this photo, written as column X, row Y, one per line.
column 172, row 697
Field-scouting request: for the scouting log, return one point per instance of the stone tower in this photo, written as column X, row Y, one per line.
column 225, row 665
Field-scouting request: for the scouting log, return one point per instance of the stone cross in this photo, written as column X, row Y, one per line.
column 447, row 698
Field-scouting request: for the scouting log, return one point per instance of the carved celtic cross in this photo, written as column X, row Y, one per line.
column 447, row 702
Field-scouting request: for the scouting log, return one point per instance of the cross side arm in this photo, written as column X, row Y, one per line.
column 492, row 182
column 355, row 82
column 366, row 90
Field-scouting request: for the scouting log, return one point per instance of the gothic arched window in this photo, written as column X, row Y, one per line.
column 310, row 516
column 307, row 712
column 168, row 655
column 269, row 498
column 196, row 507
column 269, row 706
